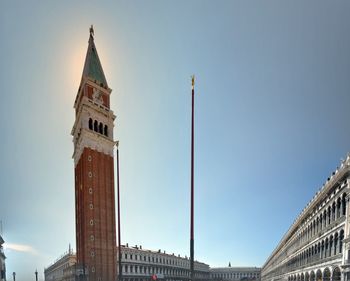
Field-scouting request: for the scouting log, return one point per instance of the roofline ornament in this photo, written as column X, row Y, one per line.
column 92, row 31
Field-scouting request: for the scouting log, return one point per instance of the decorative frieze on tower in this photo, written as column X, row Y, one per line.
column 94, row 173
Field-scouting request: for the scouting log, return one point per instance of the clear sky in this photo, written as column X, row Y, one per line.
column 272, row 120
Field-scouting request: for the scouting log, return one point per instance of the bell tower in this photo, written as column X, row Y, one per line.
column 94, row 173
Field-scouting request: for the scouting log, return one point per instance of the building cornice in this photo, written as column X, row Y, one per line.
column 90, row 139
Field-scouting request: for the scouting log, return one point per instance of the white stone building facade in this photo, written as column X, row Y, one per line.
column 235, row 273
column 2, row 261
column 140, row 265
column 137, row 265
column 63, row 269
column 316, row 247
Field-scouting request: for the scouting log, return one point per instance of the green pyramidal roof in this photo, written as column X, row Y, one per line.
column 92, row 67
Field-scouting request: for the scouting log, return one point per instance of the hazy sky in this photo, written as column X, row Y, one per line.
column 272, row 120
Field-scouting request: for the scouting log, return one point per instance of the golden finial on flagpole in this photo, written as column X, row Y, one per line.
column 192, row 77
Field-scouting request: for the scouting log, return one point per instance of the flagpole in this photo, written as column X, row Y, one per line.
column 118, row 202
column 192, row 188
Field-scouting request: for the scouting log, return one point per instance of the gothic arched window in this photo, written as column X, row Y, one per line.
column 341, row 237
column 326, row 248
column 90, row 124
column 338, row 207
column 336, row 243
column 106, row 131
column 100, row 128
column 96, row 126
column 344, row 204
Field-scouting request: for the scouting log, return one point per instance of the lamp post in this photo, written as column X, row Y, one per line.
column 36, row 275
column 118, row 207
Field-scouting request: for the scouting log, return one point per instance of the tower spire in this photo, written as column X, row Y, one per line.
column 92, row 67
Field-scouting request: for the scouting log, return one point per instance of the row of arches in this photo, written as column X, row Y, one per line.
column 326, row 275
column 168, row 271
column 234, row 275
column 330, row 214
column 156, row 259
column 147, row 278
column 307, row 243
column 98, row 127
column 328, row 247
